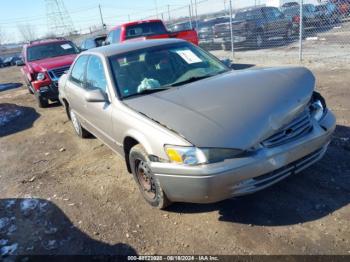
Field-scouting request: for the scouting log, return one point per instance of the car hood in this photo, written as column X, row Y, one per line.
column 52, row 62
column 238, row 109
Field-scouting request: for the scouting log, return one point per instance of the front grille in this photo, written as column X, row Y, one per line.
column 299, row 127
column 56, row 73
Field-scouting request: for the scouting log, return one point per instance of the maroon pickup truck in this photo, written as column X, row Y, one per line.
column 148, row 29
column 44, row 62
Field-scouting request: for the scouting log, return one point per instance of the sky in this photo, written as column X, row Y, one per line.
column 85, row 13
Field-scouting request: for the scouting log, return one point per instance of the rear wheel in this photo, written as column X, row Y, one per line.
column 148, row 184
column 79, row 130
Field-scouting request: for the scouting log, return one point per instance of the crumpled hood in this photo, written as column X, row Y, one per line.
column 52, row 62
column 238, row 109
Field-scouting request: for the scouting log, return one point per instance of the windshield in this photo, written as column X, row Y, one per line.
column 39, row 52
column 158, row 68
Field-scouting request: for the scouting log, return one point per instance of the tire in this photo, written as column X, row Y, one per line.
column 148, row 184
column 42, row 102
column 79, row 130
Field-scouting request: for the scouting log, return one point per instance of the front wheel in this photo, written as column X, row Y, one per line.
column 42, row 102
column 79, row 130
column 148, row 184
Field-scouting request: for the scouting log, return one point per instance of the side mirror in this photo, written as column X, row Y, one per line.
column 104, row 43
column 95, row 96
column 19, row 62
column 227, row 62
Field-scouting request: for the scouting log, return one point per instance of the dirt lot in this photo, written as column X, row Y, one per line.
column 63, row 195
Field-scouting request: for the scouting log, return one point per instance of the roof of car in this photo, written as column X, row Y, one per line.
column 116, row 49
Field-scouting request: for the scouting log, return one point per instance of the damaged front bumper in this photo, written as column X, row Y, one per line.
column 215, row 182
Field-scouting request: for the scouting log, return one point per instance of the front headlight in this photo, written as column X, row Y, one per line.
column 317, row 110
column 318, row 106
column 40, row 76
column 198, row 156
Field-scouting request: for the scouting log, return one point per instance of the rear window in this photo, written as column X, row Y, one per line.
column 145, row 29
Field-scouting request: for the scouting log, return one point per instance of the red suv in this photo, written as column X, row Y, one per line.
column 44, row 62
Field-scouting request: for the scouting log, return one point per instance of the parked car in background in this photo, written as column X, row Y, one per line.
column 343, row 7
column 206, row 27
column 179, row 117
column 328, row 13
column 254, row 26
column 1, row 63
column 93, row 42
column 148, row 29
column 45, row 61
column 181, row 26
column 311, row 16
column 289, row 4
column 11, row 60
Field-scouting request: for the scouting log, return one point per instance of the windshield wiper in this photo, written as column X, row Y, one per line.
column 148, row 91
column 196, row 78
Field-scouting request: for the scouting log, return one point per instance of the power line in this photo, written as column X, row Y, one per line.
column 58, row 18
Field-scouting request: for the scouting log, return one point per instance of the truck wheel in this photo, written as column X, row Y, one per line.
column 146, row 181
column 79, row 130
column 42, row 102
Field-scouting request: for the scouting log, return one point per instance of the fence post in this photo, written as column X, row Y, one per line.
column 169, row 13
column 196, row 13
column 231, row 32
column 301, row 31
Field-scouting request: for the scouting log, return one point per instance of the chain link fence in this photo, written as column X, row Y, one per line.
column 312, row 30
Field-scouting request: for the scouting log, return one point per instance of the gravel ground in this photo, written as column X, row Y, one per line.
column 63, row 195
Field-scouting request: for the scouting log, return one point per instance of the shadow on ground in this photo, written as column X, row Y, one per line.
column 14, row 118
column 315, row 193
column 39, row 227
column 9, row 86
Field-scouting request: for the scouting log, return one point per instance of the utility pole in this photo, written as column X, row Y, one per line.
column 169, row 13
column 156, row 4
column 103, row 24
column 196, row 13
column 59, row 20
column 190, row 17
column 231, row 32
column 301, row 31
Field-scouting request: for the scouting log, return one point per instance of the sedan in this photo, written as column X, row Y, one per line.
column 190, row 128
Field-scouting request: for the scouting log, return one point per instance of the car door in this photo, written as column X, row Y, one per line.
column 98, row 114
column 74, row 88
